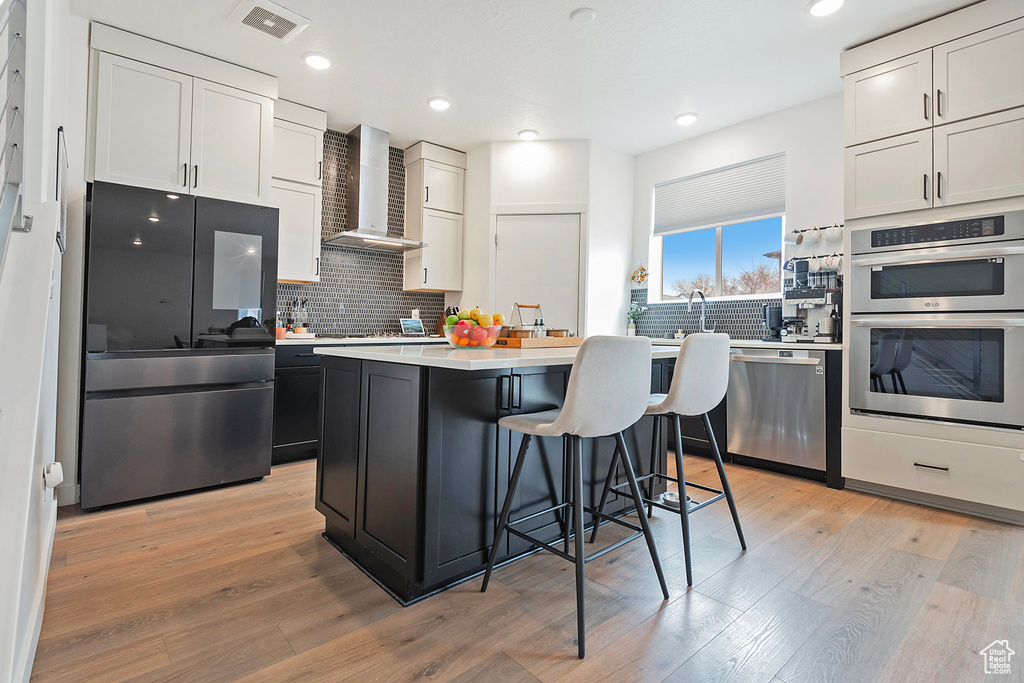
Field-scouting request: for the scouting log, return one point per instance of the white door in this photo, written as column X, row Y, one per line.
column 442, row 187
column 537, row 261
column 889, row 175
column 143, row 124
column 980, row 74
column 298, row 250
column 298, row 153
column 889, row 99
column 980, row 159
column 232, row 131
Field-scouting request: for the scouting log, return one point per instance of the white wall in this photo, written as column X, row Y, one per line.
column 29, row 289
column 810, row 134
column 609, row 240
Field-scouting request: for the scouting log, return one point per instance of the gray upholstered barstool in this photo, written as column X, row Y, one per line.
column 608, row 392
column 699, row 383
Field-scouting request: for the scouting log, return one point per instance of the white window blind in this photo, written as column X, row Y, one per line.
column 752, row 189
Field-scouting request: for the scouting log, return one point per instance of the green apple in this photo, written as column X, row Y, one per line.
column 451, row 320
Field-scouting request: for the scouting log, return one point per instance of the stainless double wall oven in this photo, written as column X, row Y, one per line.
column 937, row 321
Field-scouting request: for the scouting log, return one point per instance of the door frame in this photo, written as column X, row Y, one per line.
column 573, row 209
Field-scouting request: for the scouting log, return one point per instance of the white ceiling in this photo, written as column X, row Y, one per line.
column 513, row 64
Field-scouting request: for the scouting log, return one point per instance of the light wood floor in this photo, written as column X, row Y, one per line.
column 238, row 584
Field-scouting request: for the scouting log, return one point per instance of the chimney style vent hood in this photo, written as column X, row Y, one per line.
column 367, row 189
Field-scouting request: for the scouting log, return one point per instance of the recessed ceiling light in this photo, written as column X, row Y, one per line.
column 527, row 134
column 154, row 219
column 137, row 242
column 823, row 8
column 172, row 196
column 687, row 118
column 582, row 15
column 438, row 103
column 317, row 60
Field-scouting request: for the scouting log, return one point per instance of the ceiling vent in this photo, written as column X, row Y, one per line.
column 270, row 18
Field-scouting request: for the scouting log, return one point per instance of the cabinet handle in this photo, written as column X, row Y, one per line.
column 424, row 276
column 307, row 355
column 517, row 394
column 186, row 174
column 195, row 176
column 317, row 265
column 503, row 398
column 319, row 170
column 926, row 186
column 931, row 467
column 938, row 185
column 938, row 102
column 926, row 106
column 427, row 200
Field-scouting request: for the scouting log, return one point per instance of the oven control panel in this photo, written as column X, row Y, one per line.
column 938, row 232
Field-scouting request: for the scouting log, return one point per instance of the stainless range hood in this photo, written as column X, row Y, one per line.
column 367, row 189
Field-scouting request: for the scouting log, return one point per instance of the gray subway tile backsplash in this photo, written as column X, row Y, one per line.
column 360, row 291
column 739, row 318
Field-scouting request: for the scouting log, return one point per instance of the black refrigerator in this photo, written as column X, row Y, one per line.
column 178, row 374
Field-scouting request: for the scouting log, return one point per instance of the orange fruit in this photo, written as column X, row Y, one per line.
column 464, row 341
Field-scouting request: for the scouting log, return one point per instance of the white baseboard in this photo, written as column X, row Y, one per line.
column 68, row 494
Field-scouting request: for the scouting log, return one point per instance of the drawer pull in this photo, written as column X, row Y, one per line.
column 307, row 355
column 931, row 467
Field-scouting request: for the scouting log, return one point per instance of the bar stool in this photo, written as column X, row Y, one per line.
column 698, row 385
column 607, row 393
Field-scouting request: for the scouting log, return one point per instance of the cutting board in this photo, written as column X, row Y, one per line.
column 538, row 342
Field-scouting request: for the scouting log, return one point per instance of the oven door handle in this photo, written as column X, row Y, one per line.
column 932, row 257
column 958, row 320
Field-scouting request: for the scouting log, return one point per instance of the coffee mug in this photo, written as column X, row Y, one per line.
column 834, row 234
column 813, row 265
column 831, row 263
column 812, row 236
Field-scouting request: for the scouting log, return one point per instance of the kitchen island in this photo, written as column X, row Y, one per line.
column 413, row 468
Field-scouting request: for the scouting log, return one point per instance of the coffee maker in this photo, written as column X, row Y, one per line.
column 811, row 306
column 772, row 323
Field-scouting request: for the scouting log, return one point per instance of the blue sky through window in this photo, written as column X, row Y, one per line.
column 689, row 255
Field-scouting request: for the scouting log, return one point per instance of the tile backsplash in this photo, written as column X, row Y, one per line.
column 360, row 291
column 739, row 318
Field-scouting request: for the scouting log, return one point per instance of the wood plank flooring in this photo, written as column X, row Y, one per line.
column 237, row 584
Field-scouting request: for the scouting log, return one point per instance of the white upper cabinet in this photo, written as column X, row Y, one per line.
column 980, row 159
column 299, row 204
column 980, row 74
column 438, row 266
column 143, row 125
column 442, row 186
column 889, row 175
column 298, row 153
column 889, row 99
column 231, row 143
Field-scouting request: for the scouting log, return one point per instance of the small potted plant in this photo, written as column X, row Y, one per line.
column 634, row 312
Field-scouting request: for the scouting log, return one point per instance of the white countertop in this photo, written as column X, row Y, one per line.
column 466, row 359
column 758, row 344
column 365, row 341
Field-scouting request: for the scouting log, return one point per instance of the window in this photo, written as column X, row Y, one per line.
column 720, row 231
column 742, row 259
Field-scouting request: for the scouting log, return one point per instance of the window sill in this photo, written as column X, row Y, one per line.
column 712, row 299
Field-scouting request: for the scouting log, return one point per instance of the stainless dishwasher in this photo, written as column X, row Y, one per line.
column 776, row 405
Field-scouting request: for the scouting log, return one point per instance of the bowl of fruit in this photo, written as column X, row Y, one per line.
column 473, row 329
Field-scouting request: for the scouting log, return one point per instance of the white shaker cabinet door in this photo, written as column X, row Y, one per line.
column 980, row 74
column 980, row 159
column 298, row 251
column 436, row 267
column 442, row 187
column 143, row 125
column 232, row 133
column 889, row 99
column 889, row 176
column 298, row 153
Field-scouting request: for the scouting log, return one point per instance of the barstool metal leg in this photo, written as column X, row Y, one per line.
column 499, row 531
column 725, row 480
column 655, row 452
column 577, row 508
column 612, row 470
column 570, row 459
column 684, row 511
column 639, row 505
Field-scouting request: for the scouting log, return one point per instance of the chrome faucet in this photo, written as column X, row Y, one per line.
column 703, row 311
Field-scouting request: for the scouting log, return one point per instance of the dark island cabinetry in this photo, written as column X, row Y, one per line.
column 413, row 466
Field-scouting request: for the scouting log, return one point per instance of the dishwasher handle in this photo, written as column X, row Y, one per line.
column 776, row 360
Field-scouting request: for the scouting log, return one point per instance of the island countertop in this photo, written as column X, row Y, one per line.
column 466, row 359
